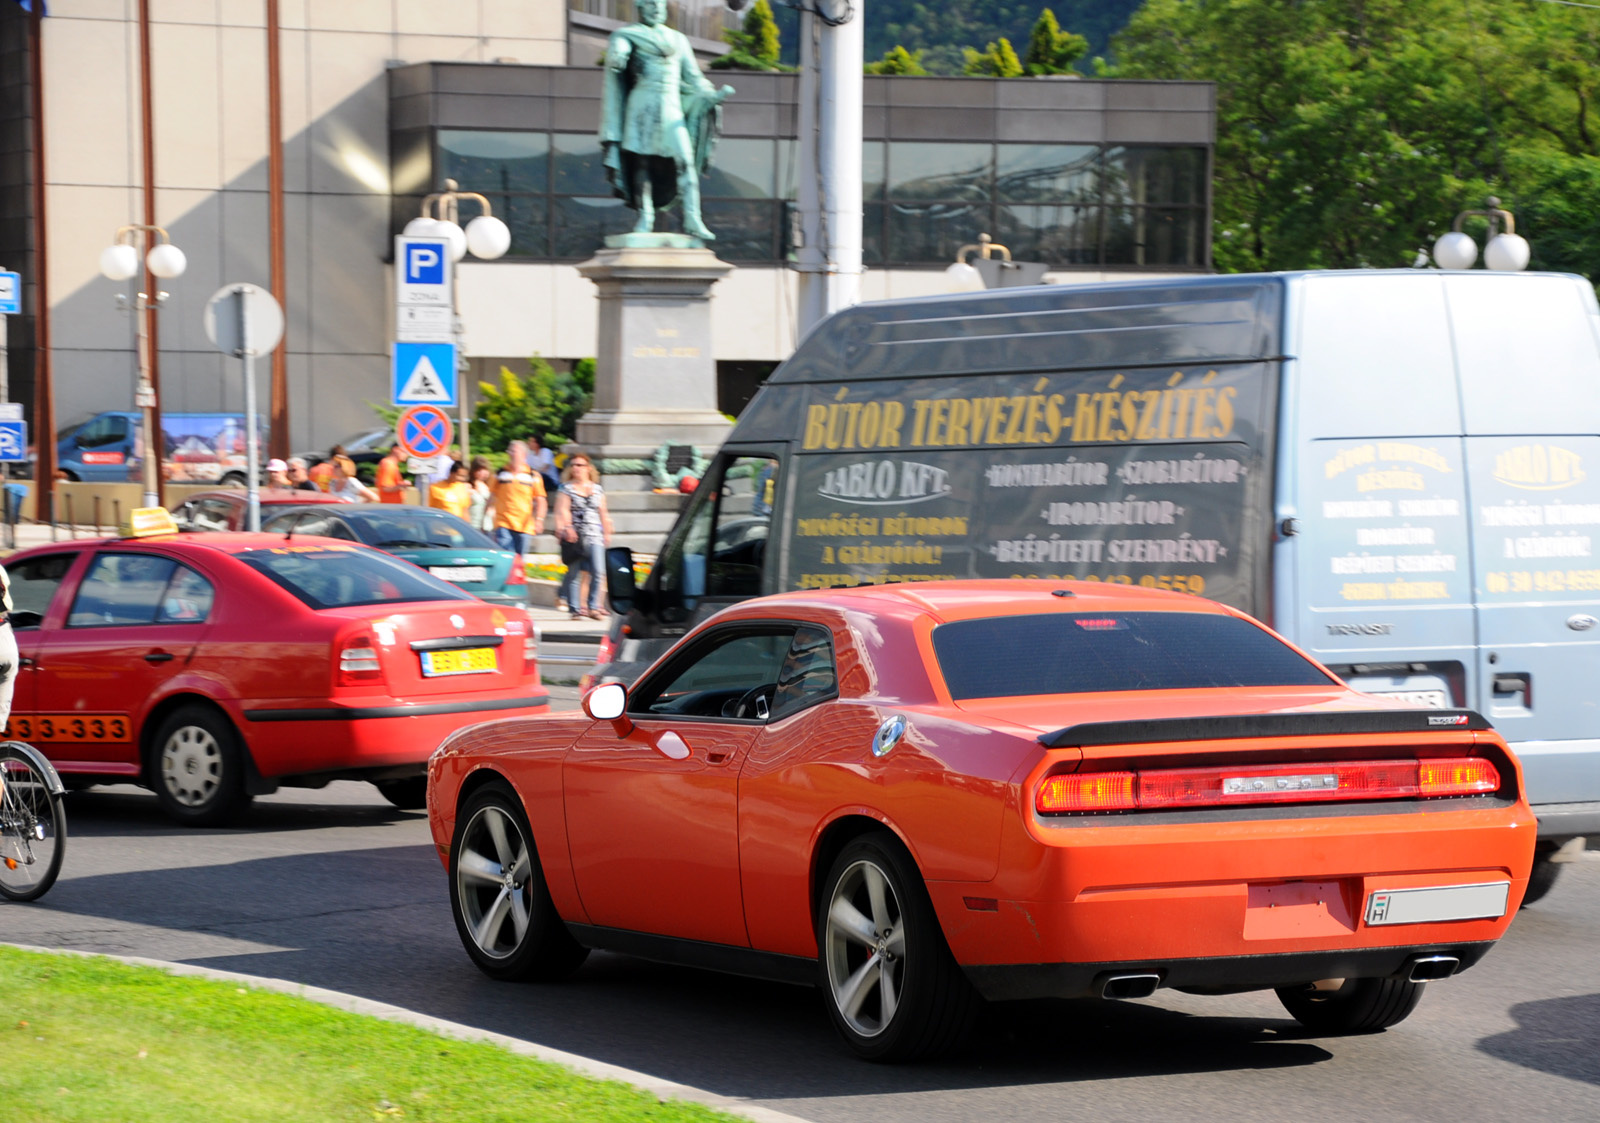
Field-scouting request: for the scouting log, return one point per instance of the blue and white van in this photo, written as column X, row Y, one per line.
column 1398, row 470
column 197, row 448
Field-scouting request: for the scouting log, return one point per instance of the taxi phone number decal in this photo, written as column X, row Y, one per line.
column 68, row 727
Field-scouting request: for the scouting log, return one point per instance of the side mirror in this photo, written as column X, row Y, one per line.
column 609, row 702
column 620, row 588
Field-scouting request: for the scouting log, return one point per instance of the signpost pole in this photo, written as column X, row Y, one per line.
column 252, row 458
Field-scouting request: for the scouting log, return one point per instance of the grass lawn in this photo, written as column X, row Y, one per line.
column 96, row 1041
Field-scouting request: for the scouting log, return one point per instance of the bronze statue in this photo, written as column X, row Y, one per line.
column 659, row 120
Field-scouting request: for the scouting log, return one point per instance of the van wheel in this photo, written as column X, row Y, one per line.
column 1543, row 876
column 893, row 990
column 1358, row 1006
column 197, row 767
column 234, row 479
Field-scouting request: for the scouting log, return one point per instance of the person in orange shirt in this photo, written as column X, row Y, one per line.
column 390, row 484
column 519, row 504
column 322, row 472
column 455, row 494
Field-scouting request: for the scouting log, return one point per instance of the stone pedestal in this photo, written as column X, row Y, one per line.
column 655, row 376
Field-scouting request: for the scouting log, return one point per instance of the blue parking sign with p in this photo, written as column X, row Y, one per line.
column 425, row 263
column 13, row 442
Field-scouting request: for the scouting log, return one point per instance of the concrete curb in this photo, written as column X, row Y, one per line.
column 585, row 1066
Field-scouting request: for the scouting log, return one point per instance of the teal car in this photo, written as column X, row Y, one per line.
column 446, row 546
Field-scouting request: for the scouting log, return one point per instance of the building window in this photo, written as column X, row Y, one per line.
column 1070, row 205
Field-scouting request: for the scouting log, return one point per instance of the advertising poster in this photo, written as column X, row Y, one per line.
column 1536, row 517
column 1150, row 478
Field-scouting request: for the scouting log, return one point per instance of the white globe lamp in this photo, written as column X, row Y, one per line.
column 166, row 260
column 1455, row 250
column 488, row 237
column 453, row 234
column 119, row 262
column 422, row 227
column 962, row 277
column 1506, row 253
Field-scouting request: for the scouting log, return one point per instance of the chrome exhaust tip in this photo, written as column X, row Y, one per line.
column 1129, row 986
column 1427, row 968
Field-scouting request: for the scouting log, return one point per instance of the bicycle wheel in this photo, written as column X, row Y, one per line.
column 33, row 828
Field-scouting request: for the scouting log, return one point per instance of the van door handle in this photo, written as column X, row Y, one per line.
column 159, row 657
column 1516, row 684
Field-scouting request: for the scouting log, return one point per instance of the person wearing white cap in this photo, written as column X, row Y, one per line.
column 278, row 473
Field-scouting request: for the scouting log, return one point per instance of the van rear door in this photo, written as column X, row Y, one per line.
column 1529, row 366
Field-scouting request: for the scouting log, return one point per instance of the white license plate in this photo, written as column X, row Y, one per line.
column 1439, row 903
column 1433, row 699
column 459, row 572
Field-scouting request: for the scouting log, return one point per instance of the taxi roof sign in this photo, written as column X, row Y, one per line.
column 146, row 522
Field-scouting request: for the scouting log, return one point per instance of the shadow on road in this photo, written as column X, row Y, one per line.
column 108, row 811
column 376, row 923
column 1560, row 1036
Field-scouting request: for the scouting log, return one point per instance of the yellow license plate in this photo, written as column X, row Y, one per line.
column 471, row 661
column 67, row 727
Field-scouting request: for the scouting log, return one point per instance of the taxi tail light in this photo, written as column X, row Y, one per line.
column 1243, row 785
column 518, row 574
column 358, row 662
column 530, row 649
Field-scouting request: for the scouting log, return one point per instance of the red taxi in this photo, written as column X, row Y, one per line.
column 920, row 796
column 215, row 667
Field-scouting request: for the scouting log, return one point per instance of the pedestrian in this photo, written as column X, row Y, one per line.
column 277, row 473
column 455, row 494
column 481, row 478
column 582, row 520
column 344, row 485
column 519, row 504
column 299, row 478
column 322, row 471
column 389, row 483
column 543, row 461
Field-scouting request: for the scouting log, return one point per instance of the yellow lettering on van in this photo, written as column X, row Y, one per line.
column 1146, row 429
column 1225, row 397
column 936, row 418
column 1180, row 420
column 1204, row 408
column 894, row 415
column 997, row 418
column 816, row 425
column 1130, row 415
column 1014, row 422
column 919, row 423
column 852, row 415
column 1083, row 419
column 1035, row 416
column 871, row 416
column 1054, row 422
column 960, row 415
column 1108, row 411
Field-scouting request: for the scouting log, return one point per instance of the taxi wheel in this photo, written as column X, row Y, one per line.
column 197, row 767
column 892, row 987
column 1358, row 1006
column 504, row 914
column 410, row 794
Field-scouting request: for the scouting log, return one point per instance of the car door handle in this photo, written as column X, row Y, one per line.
column 159, row 657
column 24, row 661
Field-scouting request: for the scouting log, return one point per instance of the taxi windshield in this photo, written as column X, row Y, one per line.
column 1085, row 653
column 346, row 577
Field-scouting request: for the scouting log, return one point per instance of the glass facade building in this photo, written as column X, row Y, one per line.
column 1085, row 184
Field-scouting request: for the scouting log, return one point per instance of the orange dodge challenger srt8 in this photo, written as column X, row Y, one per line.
column 920, row 796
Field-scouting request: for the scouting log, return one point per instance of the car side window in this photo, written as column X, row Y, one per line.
column 187, row 600
column 808, row 674
column 723, row 679
column 211, row 514
column 121, row 589
column 33, row 586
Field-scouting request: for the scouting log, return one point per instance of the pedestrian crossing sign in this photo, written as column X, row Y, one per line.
column 424, row 374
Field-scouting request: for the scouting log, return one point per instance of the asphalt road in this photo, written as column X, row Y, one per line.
column 336, row 889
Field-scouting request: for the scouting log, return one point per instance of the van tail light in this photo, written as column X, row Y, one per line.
column 1242, row 785
column 519, row 572
column 358, row 662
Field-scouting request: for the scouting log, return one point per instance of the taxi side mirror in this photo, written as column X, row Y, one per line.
column 609, row 702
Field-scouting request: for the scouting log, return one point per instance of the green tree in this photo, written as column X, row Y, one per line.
column 756, row 46
column 1051, row 50
column 541, row 403
column 898, row 60
column 997, row 60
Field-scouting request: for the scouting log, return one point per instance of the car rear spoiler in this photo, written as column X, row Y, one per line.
column 1334, row 723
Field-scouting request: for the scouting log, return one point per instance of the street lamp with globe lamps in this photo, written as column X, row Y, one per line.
column 487, row 237
column 118, row 262
column 1507, row 251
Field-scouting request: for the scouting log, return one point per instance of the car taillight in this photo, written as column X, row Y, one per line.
column 530, row 648
column 1244, row 784
column 358, row 662
column 518, row 574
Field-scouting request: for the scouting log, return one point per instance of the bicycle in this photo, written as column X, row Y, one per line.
column 33, row 826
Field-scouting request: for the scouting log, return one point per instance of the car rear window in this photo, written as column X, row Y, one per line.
column 348, row 576
column 1083, row 653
